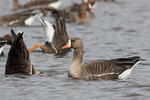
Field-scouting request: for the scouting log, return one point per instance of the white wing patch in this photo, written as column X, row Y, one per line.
column 55, row 4
column 99, row 75
column 48, row 29
column 30, row 20
column 126, row 73
column 13, row 22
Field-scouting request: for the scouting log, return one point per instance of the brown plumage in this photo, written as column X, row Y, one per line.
column 18, row 61
column 80, row 13
column 15, row 19
column 106, row 0
column 59, row 37
column 17, row 6
column 112, row 69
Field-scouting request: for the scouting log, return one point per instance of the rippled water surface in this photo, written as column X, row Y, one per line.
column 120, row 29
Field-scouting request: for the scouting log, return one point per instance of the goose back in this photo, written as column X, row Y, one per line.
column 18, row 61
column 15, row 19
column 109, row 69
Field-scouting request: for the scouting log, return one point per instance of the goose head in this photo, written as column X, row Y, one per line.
column 75, row 43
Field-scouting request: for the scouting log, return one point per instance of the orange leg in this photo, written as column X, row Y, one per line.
column 32, row 49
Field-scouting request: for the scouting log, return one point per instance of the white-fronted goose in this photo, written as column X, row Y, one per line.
column 80, row 13
column 99, row 69
column 52, row 3
column 18, row 19
column 56, row 35
column 18, row 61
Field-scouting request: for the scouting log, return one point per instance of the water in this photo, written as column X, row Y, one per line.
column 118, row 30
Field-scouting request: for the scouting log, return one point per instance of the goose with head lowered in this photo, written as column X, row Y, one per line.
column 35, row 3
column 18, row 61
column 21, row 18
column 106, row 0
column 112, row 69
column 56, row 35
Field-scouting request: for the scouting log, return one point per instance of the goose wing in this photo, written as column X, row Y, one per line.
column 109, row 69
column 60, row 36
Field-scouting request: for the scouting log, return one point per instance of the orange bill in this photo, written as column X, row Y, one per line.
column 66, row 46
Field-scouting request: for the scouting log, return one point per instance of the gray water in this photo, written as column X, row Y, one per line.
column 120, row 29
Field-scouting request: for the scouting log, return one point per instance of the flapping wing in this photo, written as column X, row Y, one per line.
column 60, row 36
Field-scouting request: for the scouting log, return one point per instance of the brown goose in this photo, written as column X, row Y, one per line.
column 56, row 35
column 16, row 4
column 7, row 39
column 18, row 61
column 18, row 19
column 106, row 0
column 99, row 69
column 80, row 13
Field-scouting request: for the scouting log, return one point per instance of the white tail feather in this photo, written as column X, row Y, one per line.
column 48, row 29
column 126, row 73
column 55, row 4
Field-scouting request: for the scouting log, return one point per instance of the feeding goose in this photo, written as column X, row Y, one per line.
column 119, row 68
column 18, row 61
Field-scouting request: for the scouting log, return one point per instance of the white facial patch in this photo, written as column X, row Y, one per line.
column 69, row 43
column 85, row 1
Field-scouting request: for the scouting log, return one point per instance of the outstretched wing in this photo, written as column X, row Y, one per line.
column 60, row 36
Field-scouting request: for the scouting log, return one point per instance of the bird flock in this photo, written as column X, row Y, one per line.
column 58, row 41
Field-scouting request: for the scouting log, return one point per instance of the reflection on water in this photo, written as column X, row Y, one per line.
column 118, row 30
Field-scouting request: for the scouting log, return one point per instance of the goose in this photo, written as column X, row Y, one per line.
column 112, row 69
column 18, row 19
column 18, row 61
column 6, row 39
column 52, row 3
column 106, row 0
column 80, row 13
column 56, row 35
